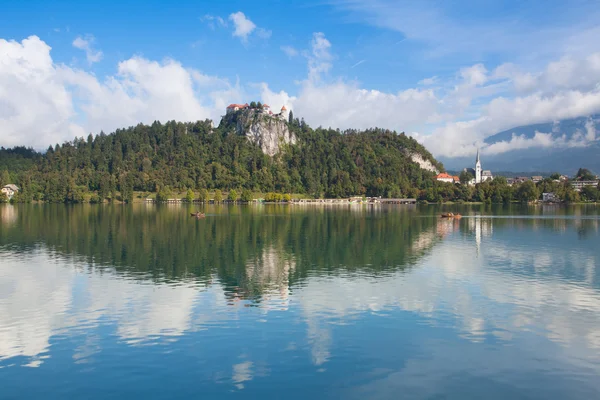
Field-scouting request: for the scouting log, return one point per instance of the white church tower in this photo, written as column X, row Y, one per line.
column 477, row 169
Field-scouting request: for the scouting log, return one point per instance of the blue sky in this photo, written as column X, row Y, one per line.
column 440, row 70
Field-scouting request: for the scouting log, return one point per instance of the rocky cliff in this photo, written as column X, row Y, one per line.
column 268, row 132
column 423, row 163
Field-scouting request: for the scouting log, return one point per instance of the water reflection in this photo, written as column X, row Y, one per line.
column 311, row 283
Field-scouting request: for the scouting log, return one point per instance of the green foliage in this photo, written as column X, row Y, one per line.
column 95, row 199
column 163, row 195
column 584, row 174
column 291, row 117
column 465, row 177
column 144, row 158
column 273, row 197
column 555, row 176
column 527, row 191
column 5, row 178
column 232, row 195
column 3, row 197
column 590, row 193
column 218, row 196
column 287, row 197
column 189, row 196
column 253, row 104
column 203, row 196
column 246, row 196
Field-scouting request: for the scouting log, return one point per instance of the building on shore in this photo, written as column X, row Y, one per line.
column 578, row 185
column 444, row 177
column 10, row 190
column 479, row 175
column 550, row 197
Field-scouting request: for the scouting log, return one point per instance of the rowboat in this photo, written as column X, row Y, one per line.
column 198, row 214
column 451, row 215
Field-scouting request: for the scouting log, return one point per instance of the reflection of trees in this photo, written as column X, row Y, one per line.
column 251, row 250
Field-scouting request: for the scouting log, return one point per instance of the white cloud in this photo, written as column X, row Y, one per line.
column 289, row 51
column 428, row 81
column 319, row 56
column 243, row 27
column 38, row 98
column 213, row 21
column 86, row 44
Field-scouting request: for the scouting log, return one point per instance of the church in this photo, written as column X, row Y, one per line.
column 479, row 175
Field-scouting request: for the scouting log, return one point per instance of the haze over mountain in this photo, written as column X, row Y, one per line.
column 561, row 146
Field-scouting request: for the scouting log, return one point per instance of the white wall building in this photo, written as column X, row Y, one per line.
column 10, row 190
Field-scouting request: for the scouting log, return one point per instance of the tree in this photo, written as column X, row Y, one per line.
column 465, row 177
column 163, row 195
column 287, row 197
column 218, row 196
column 5, row 178
column 590, row 193
column 189, row 196
column 3, row 197
column 203, row 196
column 527, row 191
column 253, row 104
column 246, row 196
column 584, row 174
column 232, row 195
column 259, row 105
column 291, row 117
column 555, row 176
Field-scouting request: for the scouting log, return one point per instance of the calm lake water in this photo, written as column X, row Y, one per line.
column 296, row 302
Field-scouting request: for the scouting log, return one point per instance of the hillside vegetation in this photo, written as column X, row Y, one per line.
column 180, row 156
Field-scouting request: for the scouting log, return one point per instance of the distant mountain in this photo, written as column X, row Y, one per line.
column 574, row 148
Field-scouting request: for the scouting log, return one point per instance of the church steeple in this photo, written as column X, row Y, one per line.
column 478, row 172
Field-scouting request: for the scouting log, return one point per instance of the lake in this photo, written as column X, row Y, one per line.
column 296, row 302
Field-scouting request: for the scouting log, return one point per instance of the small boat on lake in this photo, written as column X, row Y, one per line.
column 198, row 214
column 451, row 215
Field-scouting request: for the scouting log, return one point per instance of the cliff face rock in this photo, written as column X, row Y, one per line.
column 268, row 132
column 423, row 163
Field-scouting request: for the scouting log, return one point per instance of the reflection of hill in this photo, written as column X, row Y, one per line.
column 243, row 247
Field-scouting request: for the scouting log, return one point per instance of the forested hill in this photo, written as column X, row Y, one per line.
column 321, row 162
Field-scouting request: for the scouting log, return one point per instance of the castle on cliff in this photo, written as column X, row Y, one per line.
column 263, row 108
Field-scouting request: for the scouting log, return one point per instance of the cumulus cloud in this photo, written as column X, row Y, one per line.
column 43, row 103
column 86, row 44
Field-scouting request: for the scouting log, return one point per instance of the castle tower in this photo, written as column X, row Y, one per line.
column 477, row 169
column 284, row 113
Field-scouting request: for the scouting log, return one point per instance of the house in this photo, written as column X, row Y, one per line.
column 578, row 185
column 236, row 107
column 10, row 190
column 266, row 109
column 444, row 177
column 537, row 178
column 550, row 197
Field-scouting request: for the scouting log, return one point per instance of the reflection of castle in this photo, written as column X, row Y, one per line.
column 267, row 279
